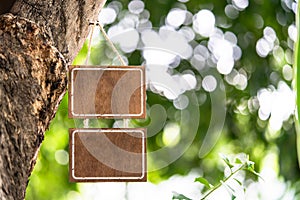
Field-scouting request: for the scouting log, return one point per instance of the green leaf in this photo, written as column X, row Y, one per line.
column 250, row 165
column 255, row 173
column 226, row 160
column 238, row 161
column 203, row 181
column 177, row 196
column 239, row 182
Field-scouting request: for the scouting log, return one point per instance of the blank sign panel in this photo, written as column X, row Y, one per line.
column 107, row 155
column 107, row 92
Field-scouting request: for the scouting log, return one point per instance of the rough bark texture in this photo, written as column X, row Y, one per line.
column 32, row 78
column 66, row 21
column 37, row 42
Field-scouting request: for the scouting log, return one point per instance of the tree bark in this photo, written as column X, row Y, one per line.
column 38, row 39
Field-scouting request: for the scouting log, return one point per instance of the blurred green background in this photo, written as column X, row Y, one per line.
column 254, row 98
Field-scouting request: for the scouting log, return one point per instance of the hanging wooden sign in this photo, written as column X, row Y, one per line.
column 107, row 92
column 107, row 155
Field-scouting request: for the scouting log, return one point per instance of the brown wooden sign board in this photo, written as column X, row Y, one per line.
column 101, row 155
column 107, row 92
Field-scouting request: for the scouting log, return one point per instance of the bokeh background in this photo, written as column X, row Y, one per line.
column 219, row 80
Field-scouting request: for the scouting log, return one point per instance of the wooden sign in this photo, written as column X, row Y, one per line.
column 107, row 155
column 107, row 92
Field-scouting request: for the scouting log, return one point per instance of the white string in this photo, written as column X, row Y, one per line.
column 86, row 121
column 125, row 123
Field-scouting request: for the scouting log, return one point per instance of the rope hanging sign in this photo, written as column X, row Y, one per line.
column 107, row 92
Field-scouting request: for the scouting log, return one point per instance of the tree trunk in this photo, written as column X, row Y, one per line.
column 37, row 41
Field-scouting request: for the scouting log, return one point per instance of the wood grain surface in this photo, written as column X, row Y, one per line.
column 101, row 155
column 107, row 92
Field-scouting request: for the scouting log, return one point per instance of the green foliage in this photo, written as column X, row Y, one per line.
column 204, row 182
column 239, row 163
column 180, row 197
